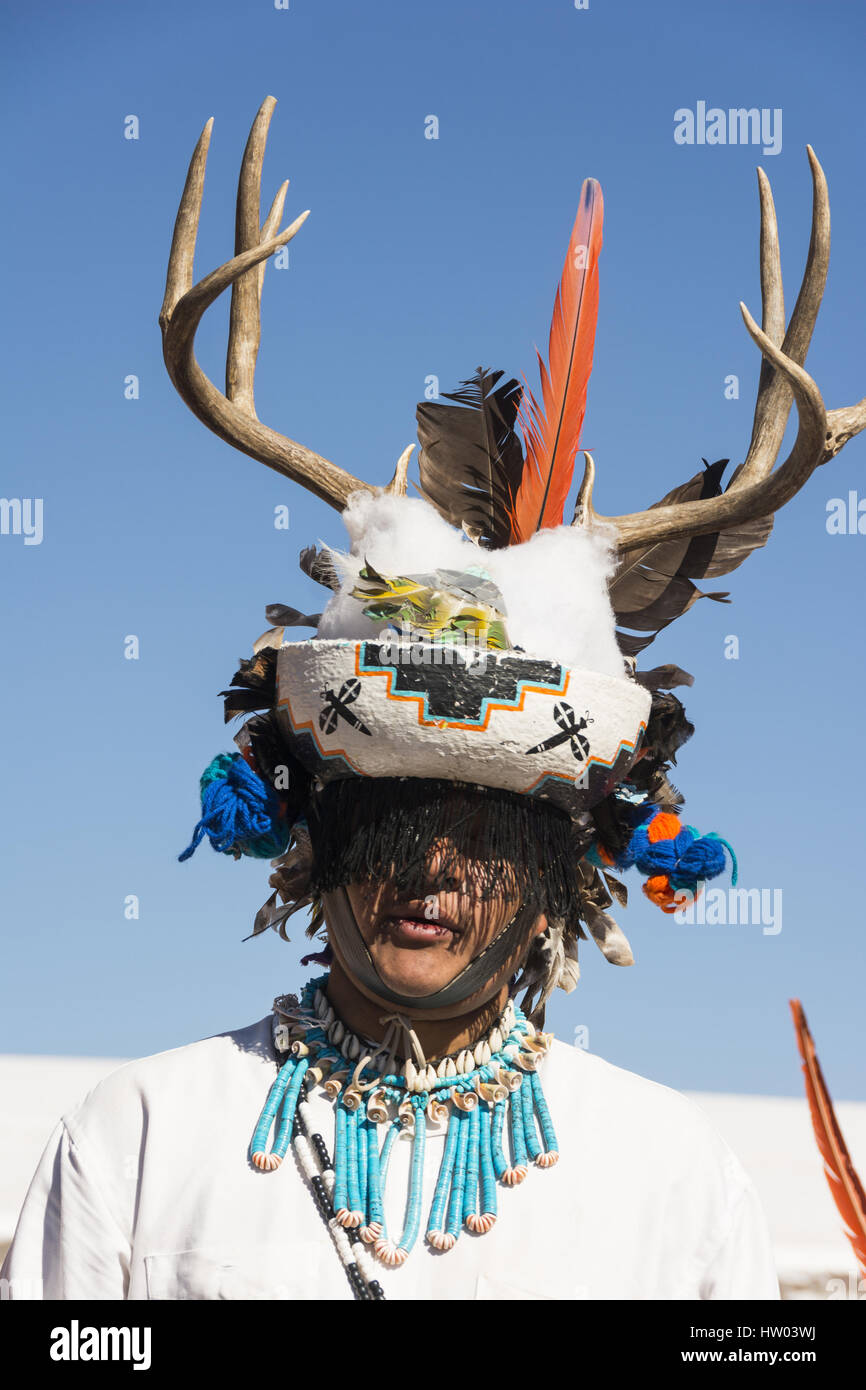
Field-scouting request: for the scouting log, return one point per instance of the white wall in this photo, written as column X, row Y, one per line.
column 772, row 1136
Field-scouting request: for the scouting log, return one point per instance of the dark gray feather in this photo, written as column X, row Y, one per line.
column 319, row 566
column 653, row 587
column 281, row 615
column 471, row 458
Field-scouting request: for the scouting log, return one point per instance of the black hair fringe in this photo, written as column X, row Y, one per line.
column 429, row 836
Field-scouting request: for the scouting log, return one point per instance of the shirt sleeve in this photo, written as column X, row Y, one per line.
column 68, row 1244
column 743, row 1266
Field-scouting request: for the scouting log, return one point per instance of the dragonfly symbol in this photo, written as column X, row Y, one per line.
column 336, row 707
column 570, row 732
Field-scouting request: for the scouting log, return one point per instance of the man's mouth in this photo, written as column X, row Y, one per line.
column 410, row 925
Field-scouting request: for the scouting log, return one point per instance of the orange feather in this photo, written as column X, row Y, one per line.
column 841, row 1176
column 552, row 429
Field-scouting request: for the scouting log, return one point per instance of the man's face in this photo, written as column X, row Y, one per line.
column 421, row 944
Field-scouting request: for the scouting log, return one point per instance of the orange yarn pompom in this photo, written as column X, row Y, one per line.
column 659, row 891
column 664, row 826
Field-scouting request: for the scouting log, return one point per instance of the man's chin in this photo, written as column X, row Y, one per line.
column 416, row 971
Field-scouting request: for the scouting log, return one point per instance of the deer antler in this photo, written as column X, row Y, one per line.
column 756, row 490
column 233, row 416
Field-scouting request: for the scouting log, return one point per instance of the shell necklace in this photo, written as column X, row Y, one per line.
column 473, row 1091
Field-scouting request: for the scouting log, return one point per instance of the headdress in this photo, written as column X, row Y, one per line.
column 475, row 668
column 483, row 650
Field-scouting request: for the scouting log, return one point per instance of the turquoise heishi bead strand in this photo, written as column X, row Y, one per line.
column 500, row 1163
column 530, row 1133
column 363, row 1160
column 388, row 1145
column 284, row 1092
column 262, row 1131
column 354, row 1187
column 518, row 1141
column 487, row 1181
column 384, row 1159
column 364, row 1163
column 413, row 1205
column 341, row 1169
column 472, row 1155
column 284, row 1134
column 443, row 1182
column 375, row 1209
column 548, row 1133
column 455, row 1210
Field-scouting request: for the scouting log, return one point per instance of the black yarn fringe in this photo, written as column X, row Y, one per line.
column 431, row 836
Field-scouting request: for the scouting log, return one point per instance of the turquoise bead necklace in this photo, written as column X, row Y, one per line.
column 478, row 1092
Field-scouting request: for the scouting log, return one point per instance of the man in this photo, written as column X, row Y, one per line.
column 446, row 774
column 146, row 1190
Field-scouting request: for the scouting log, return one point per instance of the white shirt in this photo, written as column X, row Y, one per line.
column 146, row 1191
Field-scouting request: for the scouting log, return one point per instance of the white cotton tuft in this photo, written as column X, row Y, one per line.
column 554, row 585
column 401, row 535
column 555, row 589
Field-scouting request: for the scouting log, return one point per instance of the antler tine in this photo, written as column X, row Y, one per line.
column 810, row 446
column 774, row 400
column 232, row 416
column 772, row 286
column 180, row 260
column 584, row 514
column 399, row 484
column 772, row 323
column 757, row 490
column 269, row 229
column 245, row 327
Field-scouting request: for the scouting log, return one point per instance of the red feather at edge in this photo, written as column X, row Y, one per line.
column 552, row 429
column 841, row 1176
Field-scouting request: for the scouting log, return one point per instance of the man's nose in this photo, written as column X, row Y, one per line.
column 441, row 856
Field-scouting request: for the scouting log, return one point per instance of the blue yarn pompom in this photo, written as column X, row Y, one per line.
column 704, row 858
column 661, row 856
column 686, row 859
column 639, row 816
column 240, row 814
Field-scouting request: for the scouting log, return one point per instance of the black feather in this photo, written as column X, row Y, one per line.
column 654, row 781
column 612, row 824
column 667, row 729
column 254, row 685
column 471, row 458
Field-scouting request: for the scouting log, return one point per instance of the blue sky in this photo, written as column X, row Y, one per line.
column 420, row 257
